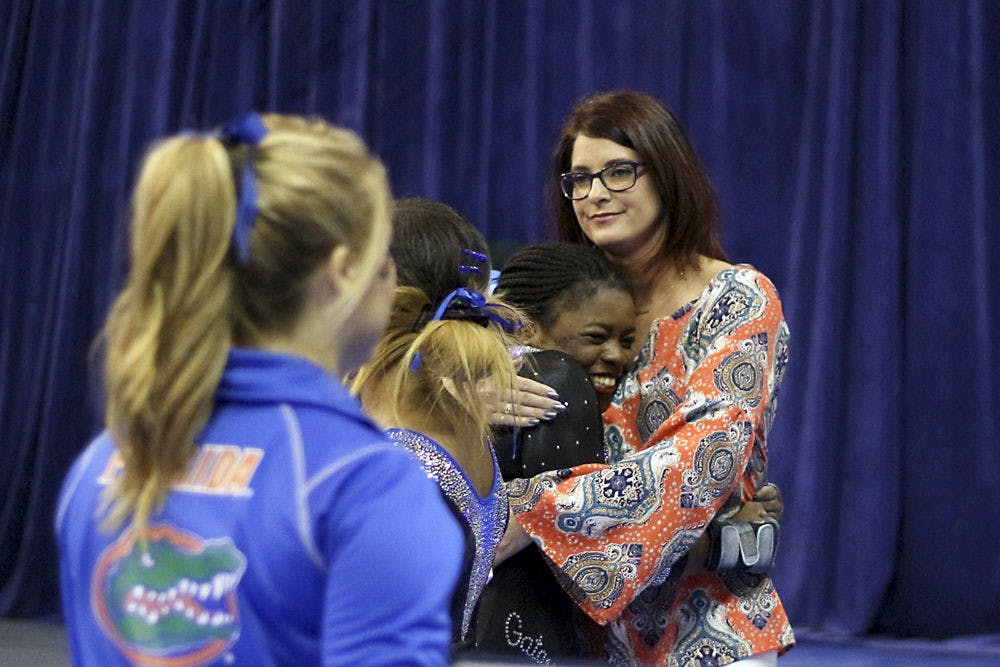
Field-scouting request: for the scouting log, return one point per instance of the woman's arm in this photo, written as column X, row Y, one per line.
column 514, row 539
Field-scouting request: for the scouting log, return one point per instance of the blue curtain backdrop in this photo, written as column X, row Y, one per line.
column 854, row 147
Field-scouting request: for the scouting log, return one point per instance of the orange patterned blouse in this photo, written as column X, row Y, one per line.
column 686, row 436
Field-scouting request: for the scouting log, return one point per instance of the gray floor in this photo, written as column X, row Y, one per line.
column 35, row 643
column 32, row 644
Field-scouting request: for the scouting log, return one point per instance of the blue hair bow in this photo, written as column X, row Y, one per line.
column 471, row 305
column 468, row 304
column 248, row 129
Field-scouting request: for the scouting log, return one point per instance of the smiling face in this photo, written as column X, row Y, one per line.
column 599, row 332
column 619, row 223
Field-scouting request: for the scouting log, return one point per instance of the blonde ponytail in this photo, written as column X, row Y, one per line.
column 428, row 372
column 169, row 330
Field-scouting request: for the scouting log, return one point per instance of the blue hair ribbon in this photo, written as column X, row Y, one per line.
column 468, row 304
column 248, row 129
column 482, row 311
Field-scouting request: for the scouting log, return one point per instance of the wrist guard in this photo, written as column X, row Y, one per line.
column 749, row 545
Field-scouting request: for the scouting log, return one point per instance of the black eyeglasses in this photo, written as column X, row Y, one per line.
column 616, row 177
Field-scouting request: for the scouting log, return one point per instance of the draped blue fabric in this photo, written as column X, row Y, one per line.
column 854, row 147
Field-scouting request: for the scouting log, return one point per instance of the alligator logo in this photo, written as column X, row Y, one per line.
column 173, row 604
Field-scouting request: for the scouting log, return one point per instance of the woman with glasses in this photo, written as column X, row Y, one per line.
column 240, row 508
column 686, row 430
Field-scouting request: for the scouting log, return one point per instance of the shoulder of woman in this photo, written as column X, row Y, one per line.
column 747, row 275
column 737, row 296
column 755, row 276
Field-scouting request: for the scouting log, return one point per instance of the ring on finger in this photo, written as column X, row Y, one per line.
column 508, row 409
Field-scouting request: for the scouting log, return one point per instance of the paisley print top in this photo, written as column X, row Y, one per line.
column 686, row 435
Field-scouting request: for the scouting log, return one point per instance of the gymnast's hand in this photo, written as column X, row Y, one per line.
column 767, row 503
column 526, row 404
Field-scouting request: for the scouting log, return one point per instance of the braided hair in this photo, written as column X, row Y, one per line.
column 544, row 278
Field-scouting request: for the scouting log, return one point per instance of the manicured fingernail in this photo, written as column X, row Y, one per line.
column 551, row 414
column 534, row 421
column 559, row 407
column 553, row 395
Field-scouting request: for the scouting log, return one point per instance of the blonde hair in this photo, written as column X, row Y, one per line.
column 414, row 362
column 188, row 298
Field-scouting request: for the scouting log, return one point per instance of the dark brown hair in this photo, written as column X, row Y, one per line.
column 640, row 122
column 427, row 239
